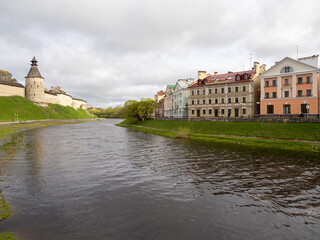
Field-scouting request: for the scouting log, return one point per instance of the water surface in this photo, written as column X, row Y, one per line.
column 98, row 181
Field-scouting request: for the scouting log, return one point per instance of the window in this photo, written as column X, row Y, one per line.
column 216, row 101
column 203, row 111
column 229, row 89
column 222, row 90
column 300, row 79
column 222, row 100
column 286, row 69
column 308, row 79
column 274, row 95
column 216, row 90
column 192, row 102
column 299, row 93
column 308, row 93
column 192, row 93
column 274, row 83
column 229, row 111
column 210, row 90
column 270, row 109
column 210, row 111
column 286, row 93
column 198, row 92
column 192, row 112
column 266, row 83
column 266, row 95
column 245, row 76
column 236, row 100
column 198, row 101
column 244, row 88
column 286, row 81
column 236, row 89
column 229, row 100
column 303, row 108
column 286, row 109
column 203, row 91
column 204, row 101
column 238, row 77
column 244, row 111
column 244, row 99
column 222, row 111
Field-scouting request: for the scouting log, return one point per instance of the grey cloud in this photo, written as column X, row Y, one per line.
column 110, row 51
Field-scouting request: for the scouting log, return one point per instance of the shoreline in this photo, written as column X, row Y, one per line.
column 299, row 145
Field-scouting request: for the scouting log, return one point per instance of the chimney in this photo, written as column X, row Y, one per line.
column 215, row 73
column 256, row 67
column 202, row 74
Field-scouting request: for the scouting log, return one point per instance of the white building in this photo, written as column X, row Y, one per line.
column 168, row 101
column 180, row 98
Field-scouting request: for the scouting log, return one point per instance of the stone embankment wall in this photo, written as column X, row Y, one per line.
column 11, row 90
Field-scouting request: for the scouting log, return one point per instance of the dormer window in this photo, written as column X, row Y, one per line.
column 238, row 77
column 286, row 69
column 245, row 76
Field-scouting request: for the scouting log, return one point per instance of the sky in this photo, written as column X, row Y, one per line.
column 109, row 51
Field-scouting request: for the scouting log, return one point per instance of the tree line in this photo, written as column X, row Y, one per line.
column 141, row 110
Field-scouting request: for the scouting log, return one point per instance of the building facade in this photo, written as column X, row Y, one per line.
column 167, row 101
column 180, row 98
column 233, row 94
column 291, row 87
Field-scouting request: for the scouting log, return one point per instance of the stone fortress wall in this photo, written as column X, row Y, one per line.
column 35, row 92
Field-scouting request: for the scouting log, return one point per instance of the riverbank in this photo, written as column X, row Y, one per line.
column 288, row 136
column 5, row 212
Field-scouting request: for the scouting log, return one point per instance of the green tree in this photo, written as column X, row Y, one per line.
column 142, row 110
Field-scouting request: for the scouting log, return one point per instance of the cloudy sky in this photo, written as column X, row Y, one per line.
column 109, row 51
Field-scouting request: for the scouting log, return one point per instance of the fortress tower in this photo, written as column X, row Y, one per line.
column 34, row 84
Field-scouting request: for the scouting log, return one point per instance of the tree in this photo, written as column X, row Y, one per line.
column 142, row 110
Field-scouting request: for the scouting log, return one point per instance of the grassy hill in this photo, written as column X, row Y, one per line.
column 26, row 110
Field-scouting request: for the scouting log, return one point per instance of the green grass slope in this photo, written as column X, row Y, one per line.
column 26, row 110
column 302, row 131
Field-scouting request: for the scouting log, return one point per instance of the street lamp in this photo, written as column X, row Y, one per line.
column 307, row 107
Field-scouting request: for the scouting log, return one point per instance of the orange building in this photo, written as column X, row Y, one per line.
column 291, row 87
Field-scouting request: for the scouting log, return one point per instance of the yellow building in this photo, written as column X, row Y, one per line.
column 233, row 94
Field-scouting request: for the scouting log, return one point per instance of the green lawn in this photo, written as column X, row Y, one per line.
column 302, row 131
column 26, row 110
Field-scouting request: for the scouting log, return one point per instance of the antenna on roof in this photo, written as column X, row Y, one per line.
column 250, row 59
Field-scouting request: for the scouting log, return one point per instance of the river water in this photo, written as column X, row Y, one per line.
column 98, row 181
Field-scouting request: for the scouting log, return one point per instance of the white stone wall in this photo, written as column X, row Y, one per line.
column 6, row 90
column 34, row 89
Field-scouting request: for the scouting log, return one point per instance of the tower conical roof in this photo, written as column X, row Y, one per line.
column 34, row 71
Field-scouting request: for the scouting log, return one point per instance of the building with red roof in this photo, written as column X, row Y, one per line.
column 232, row 94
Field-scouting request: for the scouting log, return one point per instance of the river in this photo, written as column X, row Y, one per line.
column 98, row 181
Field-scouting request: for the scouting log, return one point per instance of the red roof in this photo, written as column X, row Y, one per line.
column 230, row 77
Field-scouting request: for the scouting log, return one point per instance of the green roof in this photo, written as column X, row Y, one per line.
column 172, row 86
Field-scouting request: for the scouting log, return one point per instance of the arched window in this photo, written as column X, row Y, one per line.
column 286, row 69
column 238, row 77
column 245, row 76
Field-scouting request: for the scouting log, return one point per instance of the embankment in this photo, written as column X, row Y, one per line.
column 289, row 136
column 20, row 109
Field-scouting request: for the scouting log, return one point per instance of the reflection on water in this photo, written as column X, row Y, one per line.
column 99, row 181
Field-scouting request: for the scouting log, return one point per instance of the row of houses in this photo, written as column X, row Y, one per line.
column 290, row 87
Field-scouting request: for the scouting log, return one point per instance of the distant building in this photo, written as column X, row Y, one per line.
column 291, row 87
column 34, row 90
column 168, row 112
column 180, row 98
column 233, row 94
column 159, row 96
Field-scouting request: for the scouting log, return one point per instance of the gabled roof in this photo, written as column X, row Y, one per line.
column 184, row 83
column 171, row 86
column 275, row 69
column 229, row 77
